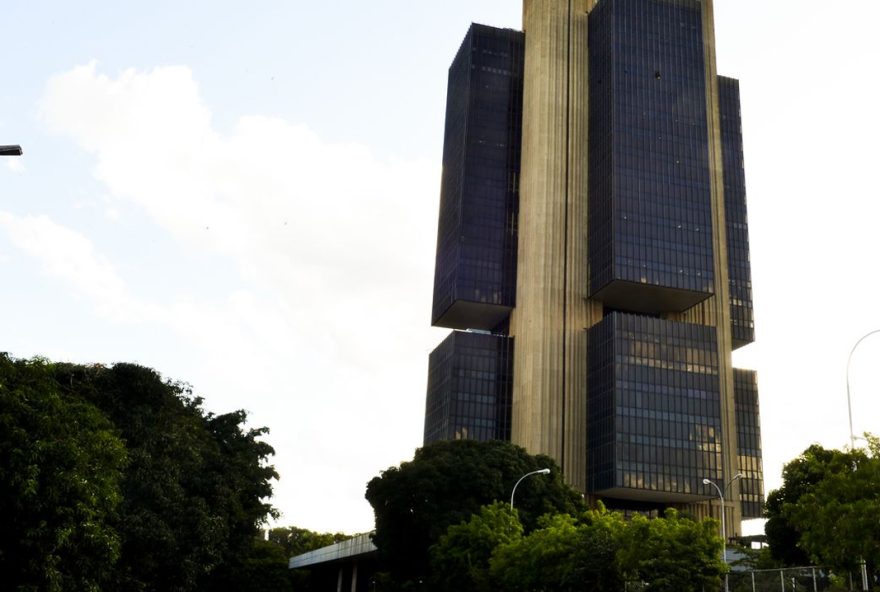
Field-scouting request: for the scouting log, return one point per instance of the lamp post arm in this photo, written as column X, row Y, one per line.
column 539, row 471
column 852, row 437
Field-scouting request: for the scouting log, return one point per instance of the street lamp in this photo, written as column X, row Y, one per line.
column 13, row 150
column 538, row 472
column 723, row 526
column 852, row 437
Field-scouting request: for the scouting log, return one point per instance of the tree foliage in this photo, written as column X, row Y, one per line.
column 180, row 497
column 799, row 477
column 445, row 484
column 295, row 541
column 597, row 551
column 61, row 468
column 673, row 553
column 543, row 560
column 460, row 559
column 829, row 508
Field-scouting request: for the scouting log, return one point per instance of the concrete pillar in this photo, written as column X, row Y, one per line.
column 552, row 312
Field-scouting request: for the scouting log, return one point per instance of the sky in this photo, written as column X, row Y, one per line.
column 244, row 197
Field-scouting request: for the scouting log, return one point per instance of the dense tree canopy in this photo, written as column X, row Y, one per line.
column 173, row 495
column 597, row 551
column 673, row 553
column 460, row 559
column 445, row 484
column 828, row 509
column 61, row 469
column 295, row 541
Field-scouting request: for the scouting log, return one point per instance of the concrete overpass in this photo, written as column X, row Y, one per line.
column 348, row 566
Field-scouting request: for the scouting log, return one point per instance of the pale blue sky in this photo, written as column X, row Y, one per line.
column 244, row 197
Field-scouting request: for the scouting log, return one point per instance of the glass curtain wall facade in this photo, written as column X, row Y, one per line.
column 469, row 388
column 738, row 265
column 650, row 237
column 654, row 413
column 475, row 273
column 748, row 442
column 656, row 378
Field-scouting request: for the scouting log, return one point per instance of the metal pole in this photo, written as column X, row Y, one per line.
column 815, row 589
column 753, row 581
column 723, row 529
column 782, row 579
column 864, row 575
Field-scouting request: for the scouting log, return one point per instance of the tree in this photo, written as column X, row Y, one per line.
column 295, row 541
column 445, row 484
column 837, row 513
column 564, row 554
column 262, row 567
column 460, row 559
column 799, row 477
column 114, row 478
column 194, row 489
column 61, row 467
column 673, row 553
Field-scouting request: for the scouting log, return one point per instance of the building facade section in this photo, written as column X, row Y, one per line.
column 651, row 239
column 655, row 427
column 593, row 212
column 475, row 272
column 748, row 442
column 469, row 378
column 735, row 214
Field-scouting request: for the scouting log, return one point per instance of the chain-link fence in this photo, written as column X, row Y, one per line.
column 796, row 579
column 799, row 579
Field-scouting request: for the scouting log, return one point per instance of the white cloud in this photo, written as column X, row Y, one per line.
column 324, row 333
column 71, row 256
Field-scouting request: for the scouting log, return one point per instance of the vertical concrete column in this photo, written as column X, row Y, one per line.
column 580, row 313
column 354, row 577
column 549, row 405
column 339, row 579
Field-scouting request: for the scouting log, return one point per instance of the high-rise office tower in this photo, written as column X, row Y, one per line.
column 592, row 254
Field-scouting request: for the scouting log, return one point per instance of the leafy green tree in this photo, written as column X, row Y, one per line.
column 61, row 467
column 460, row 559
column 295, row 541
column 673, row 554
column 445, row 484
column 564, row 554
column 112, row 478
column 262, row 567
column 595, row 561
column 838, row 518
column 195, row 487
column 799, row 477
column 540, row 561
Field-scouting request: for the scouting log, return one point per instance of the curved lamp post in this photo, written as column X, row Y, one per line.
column 852, row 437
column 538, row 472
column 13, row 150
column 723, row 526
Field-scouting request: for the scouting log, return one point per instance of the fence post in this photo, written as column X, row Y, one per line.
column 753, row 581
column 782, row 579
column 815, row 589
